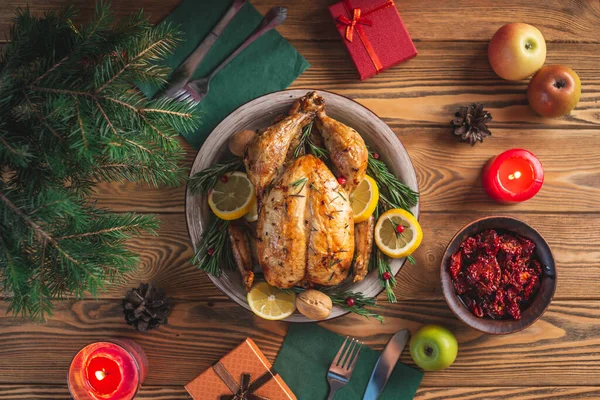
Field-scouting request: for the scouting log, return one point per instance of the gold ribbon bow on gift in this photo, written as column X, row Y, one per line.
column 245, row 390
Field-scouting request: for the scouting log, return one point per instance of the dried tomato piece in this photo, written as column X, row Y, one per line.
column 532, row 287
column 495, row 274
column 488, row 242
column 536, row 267
column 497, row 308
column 509, row 245
column 484, row 274
column 460, row 285
column 474, row 307
column 527, row 247
column 455, row 264
column 469, row 247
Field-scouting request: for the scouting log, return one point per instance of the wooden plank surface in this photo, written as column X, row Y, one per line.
column 426, row 20
column 557, row 358
column 561, row 348
column 49, row 392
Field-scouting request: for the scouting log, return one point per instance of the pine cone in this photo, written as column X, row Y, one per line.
column 146, row 307
column 470, row 123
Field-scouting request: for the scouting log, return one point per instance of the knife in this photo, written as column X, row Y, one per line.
column 185, row 71
column 385, row 364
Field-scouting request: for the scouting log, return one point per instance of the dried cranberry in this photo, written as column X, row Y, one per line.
column 341, row 180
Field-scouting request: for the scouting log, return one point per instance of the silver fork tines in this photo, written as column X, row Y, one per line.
column 343, row 364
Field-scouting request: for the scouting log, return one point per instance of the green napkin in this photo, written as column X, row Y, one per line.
column 307, row 353
column 267, row 65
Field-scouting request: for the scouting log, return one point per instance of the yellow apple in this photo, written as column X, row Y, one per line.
column 517, row 51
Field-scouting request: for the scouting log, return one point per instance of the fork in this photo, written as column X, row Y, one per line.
column 341, row 368
column 197, row 90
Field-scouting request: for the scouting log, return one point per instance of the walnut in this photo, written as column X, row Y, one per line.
column 314, row 304
column 239, row 141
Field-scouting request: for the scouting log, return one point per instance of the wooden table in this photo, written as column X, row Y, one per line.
column 559, row 356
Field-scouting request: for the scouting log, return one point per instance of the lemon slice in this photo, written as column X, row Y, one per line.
column 252, row 215
column 232, row 198
column 268, row 302
column 394, row 241
column 364, row 199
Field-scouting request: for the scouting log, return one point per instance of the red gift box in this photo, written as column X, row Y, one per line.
column 373, row 33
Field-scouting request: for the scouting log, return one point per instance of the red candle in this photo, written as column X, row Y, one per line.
column 107, row 371
column 513, row 176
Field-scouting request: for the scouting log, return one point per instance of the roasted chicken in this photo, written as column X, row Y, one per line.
column 305, row 230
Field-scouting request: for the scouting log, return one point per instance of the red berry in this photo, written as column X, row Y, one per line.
column 399, row 228
column 211, row 251
column 386, row 276
column 342, row 180
column 350, row 301
column 376, row 156
column 224, row 178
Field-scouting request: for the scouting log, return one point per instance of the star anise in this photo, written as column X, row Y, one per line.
column 470, row 123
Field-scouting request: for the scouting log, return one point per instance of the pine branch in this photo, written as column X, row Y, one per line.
column 70, row 115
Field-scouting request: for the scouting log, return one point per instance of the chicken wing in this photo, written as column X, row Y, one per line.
column 266, row 153
column 347, row 149
column 363, row 243
column 242, row 255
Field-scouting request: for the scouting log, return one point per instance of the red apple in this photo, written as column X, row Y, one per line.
column 554, row 91
column 517, row 51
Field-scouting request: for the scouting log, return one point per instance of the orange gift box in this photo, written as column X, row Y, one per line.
column 244, row 373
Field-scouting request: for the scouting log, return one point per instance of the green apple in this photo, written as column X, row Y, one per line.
column 433, row 348
column 517, row 51
column 554, row 91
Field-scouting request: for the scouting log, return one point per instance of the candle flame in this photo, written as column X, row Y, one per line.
column 516, row 175
column 100, row 375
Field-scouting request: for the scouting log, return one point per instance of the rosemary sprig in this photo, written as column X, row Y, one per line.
column 300, row 182
column 360, row 304
column 399, row 195
column 301, row 148
column 306, row 141
column 380, row 262
column 214, row 248
column 206, row 179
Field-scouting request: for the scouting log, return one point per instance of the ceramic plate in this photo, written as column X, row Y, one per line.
column 260, row 113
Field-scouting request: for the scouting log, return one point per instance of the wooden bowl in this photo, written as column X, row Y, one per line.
column 260, row 113
column 543, row 297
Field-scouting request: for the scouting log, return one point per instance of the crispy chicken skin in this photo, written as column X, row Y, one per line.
column 346, row 147
column 363, row 243
column 240, row 247
column 266, row 154
column 305, row 228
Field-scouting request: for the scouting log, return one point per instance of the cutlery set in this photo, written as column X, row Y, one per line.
column 181, row 88
column 343, row 364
